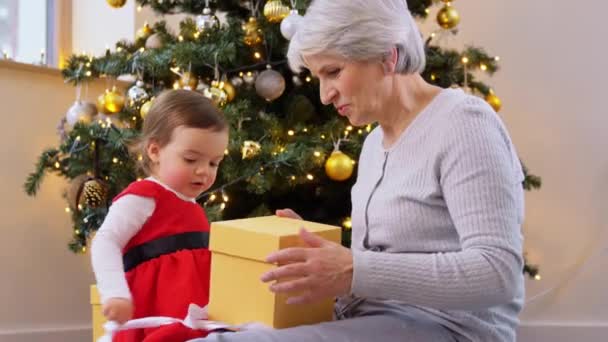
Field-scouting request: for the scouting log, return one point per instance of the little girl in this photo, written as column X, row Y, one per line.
column 150, row 255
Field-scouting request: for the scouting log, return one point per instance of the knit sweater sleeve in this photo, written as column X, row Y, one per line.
column 480, row 180
column 124, row 219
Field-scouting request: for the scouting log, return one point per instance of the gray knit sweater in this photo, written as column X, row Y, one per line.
column 437, row 218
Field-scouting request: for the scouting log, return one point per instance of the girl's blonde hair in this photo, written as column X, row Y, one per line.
column 174, row 108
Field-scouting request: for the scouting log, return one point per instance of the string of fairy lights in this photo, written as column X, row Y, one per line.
column 115, row 110
column 447, row 18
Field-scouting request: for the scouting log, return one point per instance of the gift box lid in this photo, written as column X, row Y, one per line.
column 255, row 238
column 94, row 295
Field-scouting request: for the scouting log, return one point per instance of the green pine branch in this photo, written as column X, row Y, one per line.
column 34, row 179
column 445, row 67
column 531, row 182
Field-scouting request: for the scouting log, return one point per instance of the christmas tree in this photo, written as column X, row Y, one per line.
column 286, row 149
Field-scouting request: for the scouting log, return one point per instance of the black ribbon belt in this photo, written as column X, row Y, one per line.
column 165, row 245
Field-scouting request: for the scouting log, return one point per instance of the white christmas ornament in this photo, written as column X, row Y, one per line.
column 270, row 84
column 80, row 111
column 289, row 25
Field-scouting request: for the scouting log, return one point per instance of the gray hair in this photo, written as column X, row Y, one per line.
column 359, row 30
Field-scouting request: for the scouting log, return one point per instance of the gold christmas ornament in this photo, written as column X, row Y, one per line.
column 101, row 104
column 494, row 101
column 154, row 41
column 144, row 32
column 94, row 193
column 114, row 101
column 253, row 34
column 229, row 89
column 188, row 81
column 215, row 94
column 270, row 84
column 145, row 108
column 339, row 166
column 116, row 3
column 275, row 11
column 250, row 149
column 448, row 17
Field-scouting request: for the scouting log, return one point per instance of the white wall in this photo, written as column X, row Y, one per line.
column 44, row 287
column 552, row 84
column 97, row 25
column 147, row 15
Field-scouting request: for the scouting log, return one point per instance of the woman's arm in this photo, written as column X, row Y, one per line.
column 480, row 178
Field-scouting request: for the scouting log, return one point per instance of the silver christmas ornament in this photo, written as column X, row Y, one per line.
column 289, row 25
column 207, row 20
column 80, row 111
column 137, row 93
column 270, row 84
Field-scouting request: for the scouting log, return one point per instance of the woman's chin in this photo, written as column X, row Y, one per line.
column 357, row 122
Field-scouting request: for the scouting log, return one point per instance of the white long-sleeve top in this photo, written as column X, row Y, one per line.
column 124, row 220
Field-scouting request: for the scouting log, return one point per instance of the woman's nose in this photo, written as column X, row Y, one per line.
column 328, row 93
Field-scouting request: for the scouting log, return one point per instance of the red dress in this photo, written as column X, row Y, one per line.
column 167, row 264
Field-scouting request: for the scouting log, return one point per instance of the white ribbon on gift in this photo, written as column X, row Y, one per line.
column 196, row 319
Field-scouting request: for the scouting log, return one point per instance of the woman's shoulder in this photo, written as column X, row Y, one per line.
column 374, row 137
column 467, row 114
column 460, row 105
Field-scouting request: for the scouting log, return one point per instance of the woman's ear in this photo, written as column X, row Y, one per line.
column 390, row 61
column 153, row 151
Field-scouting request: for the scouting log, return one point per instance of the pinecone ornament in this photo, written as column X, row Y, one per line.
column 94, row 193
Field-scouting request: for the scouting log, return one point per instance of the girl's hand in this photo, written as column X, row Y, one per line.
column 118, row 309
column 288, row 213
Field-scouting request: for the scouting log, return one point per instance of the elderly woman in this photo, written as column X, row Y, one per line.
column 436, row 249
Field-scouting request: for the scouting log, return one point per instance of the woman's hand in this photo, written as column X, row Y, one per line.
column 322, row 270
column 288, row 213
column 118, row 309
